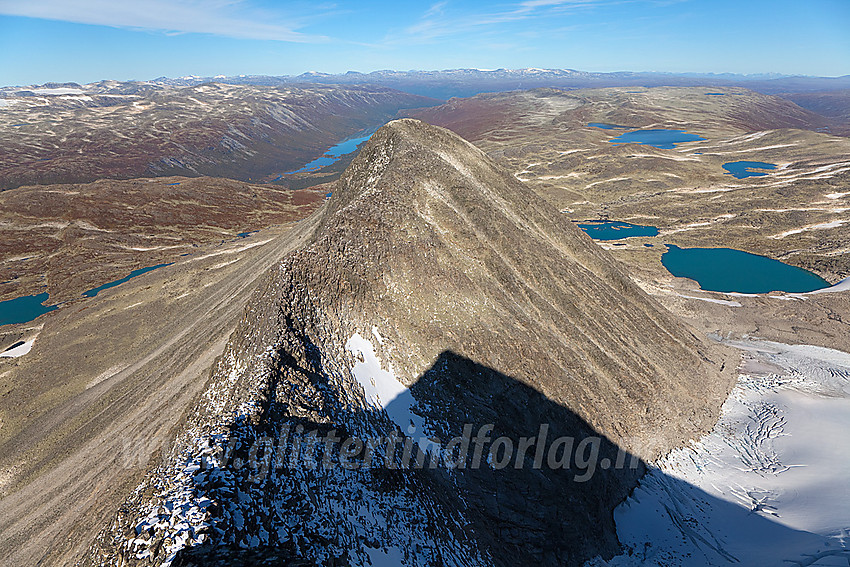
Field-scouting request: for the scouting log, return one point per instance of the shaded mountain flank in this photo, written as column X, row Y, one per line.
column 835, row 105
column 438, row 301
column 123, row 130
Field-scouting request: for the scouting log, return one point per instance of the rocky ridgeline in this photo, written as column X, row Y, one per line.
column 448, row 372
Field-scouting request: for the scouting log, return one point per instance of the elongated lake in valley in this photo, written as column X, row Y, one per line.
column 334, row 153
column 93, row 292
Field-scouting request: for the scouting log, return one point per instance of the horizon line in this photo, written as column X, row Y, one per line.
column 211, row 78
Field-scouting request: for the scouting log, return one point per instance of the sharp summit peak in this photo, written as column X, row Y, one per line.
column 432, row 293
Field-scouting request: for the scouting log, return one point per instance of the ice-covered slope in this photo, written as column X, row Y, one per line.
column 769, row 486
column 437, row 295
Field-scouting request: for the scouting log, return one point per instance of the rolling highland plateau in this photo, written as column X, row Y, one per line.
column 451, row 318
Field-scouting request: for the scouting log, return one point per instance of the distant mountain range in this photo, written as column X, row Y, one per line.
column 257, row 128
column 468, row 82
column 450, row 83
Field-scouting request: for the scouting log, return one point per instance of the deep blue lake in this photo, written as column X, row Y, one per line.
column 658, row 138
column 728, row 270
column 716, row 94
column 93, row 292
column 744, row 169
column 615, row 230
column 605, row 126
column 334, row 153
column 24, row 309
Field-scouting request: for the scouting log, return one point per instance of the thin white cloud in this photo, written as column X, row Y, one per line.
column 531, row 4
column 228, row 18
column 435, row 9
column 436, row 22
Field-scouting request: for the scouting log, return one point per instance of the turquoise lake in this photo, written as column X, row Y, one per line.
column 744, row 169
column 615, row 230
column 334, row 153
column 24, row 309
column 657, row 138
column 728, row 270
column 93, row 292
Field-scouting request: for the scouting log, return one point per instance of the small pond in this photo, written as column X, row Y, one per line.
column 744, row 169
column 605, row 126
column 24, row 309
column 615, row 230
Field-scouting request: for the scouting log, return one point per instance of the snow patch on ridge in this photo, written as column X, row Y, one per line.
column 383, row 391
column 711, row 300
column 20, row 350
column 58, row 91
column 820, row 226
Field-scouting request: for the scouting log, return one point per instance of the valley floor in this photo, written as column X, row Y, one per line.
column 94, row 403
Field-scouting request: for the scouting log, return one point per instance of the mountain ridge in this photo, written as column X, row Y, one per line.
column 481, row 304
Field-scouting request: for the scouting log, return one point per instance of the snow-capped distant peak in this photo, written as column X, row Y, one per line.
column 58, row 91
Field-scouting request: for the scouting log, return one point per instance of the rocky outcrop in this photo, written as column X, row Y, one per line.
column 447, row 373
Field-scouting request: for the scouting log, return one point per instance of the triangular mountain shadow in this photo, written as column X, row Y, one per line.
column 273, row 510
column 511, row 511
column 538, row 515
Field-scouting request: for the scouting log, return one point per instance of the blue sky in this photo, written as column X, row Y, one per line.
column 89, row 40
